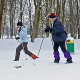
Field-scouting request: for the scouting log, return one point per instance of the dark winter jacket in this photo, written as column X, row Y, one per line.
column 58, row 33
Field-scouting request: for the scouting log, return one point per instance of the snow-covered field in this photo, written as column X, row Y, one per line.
column 44, row 68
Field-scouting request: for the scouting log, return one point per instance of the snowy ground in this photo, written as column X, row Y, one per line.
column 43, row 69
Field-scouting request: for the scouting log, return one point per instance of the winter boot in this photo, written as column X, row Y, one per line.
column 17, row 57
column 69, row 60
column 56, row 60
column 34, row 56
column 67, row 55
column 57, row 57
column 16, row 60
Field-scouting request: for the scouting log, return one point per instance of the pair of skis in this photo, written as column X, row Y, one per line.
column 18, row 64
column 61, row 63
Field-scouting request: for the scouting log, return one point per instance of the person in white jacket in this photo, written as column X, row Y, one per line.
column 24, row 42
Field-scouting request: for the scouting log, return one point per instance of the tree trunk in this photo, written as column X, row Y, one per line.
column 78, row 32
column 1, row 14
column 21, row 13
column 11, row 21
column 63, row 2
column 37, row 18
column 78, row 17
column 71, row 19
column 14, row 20
column 57, row 13
column 12, row 27
column 30, row 19
column 59, row 9
column 54, row 6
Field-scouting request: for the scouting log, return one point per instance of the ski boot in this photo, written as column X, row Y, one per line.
column 56, row 61
column 34, row 56
column 69, row 60
column 16, row 60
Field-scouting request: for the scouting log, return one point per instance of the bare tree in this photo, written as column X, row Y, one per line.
column 1, row 14
column 34, row 14
column 63, row 8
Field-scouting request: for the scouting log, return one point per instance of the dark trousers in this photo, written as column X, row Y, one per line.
column 61, row 44
column 63, row 48
column 24, row 47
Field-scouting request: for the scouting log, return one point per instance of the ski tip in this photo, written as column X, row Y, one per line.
column 68, row 63
column 18, row 67
column 37, row 57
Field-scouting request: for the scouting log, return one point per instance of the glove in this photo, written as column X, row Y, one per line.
column 51, row 30
column 17, row 38
column 47, row 29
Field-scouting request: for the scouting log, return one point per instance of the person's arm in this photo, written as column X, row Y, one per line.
column 57, row 28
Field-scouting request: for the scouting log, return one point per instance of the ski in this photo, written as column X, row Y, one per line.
column 18, row 66
column 68, row 63
column 62, row 63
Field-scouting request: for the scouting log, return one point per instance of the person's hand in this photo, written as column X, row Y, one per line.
column 51, row 30
column 47, row 29
column 17, row 38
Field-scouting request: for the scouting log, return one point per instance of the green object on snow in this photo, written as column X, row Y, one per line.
column 70, row 46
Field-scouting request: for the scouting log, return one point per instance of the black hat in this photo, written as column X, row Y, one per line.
column 19, row 24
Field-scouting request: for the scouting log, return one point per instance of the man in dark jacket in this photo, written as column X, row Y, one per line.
column 59, row 37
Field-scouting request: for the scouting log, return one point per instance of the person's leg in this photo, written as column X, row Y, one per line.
column 27, row 51
column 66, row 53
column 19, row 48
column 62, row 45
column 56, row 53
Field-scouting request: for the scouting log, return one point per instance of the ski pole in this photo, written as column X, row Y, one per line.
column 52, row 43
column 19, row 41
column 41, row 45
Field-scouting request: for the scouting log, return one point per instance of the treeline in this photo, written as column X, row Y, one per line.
column 34, row 15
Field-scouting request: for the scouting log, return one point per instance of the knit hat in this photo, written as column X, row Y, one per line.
column 19, row 24
column 52, row 15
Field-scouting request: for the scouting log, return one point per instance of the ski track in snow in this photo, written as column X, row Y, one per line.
column 40, row 69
